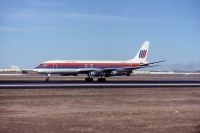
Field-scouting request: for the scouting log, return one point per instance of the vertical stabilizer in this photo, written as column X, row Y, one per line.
column 141, row 56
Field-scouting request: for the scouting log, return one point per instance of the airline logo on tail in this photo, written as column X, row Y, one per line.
column 142, row 53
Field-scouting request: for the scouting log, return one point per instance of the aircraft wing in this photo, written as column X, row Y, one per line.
column 124, row 69
column 98, row 70
column 151, row 64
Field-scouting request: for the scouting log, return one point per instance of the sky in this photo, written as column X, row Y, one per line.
column 32, row 31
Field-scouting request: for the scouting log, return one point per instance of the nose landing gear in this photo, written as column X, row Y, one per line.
column 48, row 77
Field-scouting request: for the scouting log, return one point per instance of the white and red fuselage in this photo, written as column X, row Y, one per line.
column 85, row 67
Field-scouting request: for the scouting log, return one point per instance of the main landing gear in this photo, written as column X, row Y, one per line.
column 101, row 79
column 89, row 79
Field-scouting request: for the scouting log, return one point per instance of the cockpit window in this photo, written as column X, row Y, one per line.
column 43, row 64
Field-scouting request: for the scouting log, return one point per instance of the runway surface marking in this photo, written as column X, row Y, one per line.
column 67, row 85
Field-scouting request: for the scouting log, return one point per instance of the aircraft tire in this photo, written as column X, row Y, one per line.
column 101, row 79
column 47, row 79
column 88, row 79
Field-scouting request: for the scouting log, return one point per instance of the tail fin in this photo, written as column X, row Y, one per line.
column 141, row 56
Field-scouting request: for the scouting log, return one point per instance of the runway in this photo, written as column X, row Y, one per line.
column 29, row 81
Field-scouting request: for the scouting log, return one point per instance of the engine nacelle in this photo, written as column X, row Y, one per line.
column 118, row 73
column 96, row 74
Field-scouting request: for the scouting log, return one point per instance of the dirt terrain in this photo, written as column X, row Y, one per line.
column 138, row 110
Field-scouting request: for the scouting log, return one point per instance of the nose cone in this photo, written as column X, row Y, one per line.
column 36, row 69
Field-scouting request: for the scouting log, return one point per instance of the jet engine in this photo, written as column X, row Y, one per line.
column 96, row 74
column 119, row 73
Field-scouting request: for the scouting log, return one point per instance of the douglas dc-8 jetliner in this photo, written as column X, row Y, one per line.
column 100, row 69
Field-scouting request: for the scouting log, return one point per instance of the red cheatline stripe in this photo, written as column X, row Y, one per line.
column 91, row 64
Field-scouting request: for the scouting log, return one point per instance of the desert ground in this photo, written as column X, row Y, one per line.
column 113, row 110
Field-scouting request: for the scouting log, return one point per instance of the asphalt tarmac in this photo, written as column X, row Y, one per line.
column 30, row 81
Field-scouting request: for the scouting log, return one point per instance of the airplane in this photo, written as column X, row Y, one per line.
column 100, row 69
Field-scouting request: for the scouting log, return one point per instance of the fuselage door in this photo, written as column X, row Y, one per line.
column 91, row 65
column 54, row 66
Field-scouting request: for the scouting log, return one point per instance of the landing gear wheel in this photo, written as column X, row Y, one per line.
column 88, row 79
column 101, row 79
column 47, row 79
column 128, row 74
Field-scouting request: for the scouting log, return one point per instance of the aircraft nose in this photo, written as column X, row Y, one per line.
column 36, row 69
